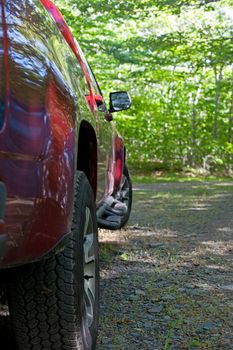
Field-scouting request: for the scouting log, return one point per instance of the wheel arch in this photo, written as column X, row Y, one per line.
column 87, row 153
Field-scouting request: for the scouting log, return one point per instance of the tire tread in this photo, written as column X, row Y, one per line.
column 42, row 295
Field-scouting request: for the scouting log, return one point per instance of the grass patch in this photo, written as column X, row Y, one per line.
column 177, row 177
column 107, row 253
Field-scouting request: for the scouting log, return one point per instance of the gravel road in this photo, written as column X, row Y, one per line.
column 167, row 278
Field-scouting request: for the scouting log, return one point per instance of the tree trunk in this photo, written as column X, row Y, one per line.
column 194, row 136
column 218, row 78
column 230, row 129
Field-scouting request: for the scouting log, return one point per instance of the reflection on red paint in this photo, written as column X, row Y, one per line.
column 118, row 161
column 31, row 238
column 37, row 142
column 5, row 73
column 64, row 29
column 60, row 116
column 2, row 227
column 61, row 124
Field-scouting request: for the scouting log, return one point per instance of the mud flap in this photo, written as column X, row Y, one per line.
column 111, row 213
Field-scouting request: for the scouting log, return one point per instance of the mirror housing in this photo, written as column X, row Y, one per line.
column 119, row 101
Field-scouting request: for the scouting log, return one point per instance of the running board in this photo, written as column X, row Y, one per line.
column 111, row 213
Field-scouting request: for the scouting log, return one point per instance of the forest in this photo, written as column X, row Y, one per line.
column 176, row 60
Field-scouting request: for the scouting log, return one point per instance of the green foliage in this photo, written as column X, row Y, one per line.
column 175, row 58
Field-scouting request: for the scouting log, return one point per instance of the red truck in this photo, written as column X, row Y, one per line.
column 63, row 173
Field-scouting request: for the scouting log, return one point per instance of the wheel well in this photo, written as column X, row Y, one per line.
column 87, row 154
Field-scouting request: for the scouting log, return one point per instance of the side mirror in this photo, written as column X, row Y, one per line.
column 119, row 101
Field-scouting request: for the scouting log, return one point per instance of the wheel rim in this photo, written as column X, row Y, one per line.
column 89, row 269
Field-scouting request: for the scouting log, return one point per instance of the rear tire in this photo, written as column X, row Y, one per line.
column 115, row 211
column 125, row 194
column 54, row 303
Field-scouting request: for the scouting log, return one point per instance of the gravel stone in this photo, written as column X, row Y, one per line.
column 155, row 309
column 140, row 292
column 228, row 287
